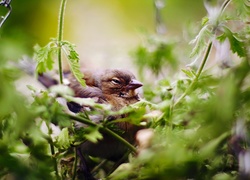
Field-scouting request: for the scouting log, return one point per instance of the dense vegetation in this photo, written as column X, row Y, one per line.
column 199, row 114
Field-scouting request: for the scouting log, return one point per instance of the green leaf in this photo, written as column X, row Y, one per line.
column 49, row 109
column 154, row 55
column 211, row 146
column 63, row 140
column 237, row 45
column 44, row 56
column 190, row 73
column 73, row 60
column 93, row 134
column 205, row 20
column 200, row 41
column 242, row 7
column 223, row 176
column 32, row 88
column 222, row 37
column 121, row 172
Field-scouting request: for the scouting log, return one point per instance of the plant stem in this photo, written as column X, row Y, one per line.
column 81, row 120
column 99, row 166
column 131, row 147
column 75, row 165
column 110, row 132
column 198, row 73
column 203, row 61
column 60, row 37
column 224, row 6
column 52, row 150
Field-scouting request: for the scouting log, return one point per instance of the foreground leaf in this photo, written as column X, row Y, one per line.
column 73, row 60
column 93, row 134
column 63, row 140
column 44, row 57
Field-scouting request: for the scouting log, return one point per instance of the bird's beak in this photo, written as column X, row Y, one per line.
column 134, row 84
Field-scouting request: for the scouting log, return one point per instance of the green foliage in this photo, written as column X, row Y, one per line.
column 49, row 109
column 45, row 57
column 237, row 45
column 242, row 8
column 20, row 151
column 193, row 132
column 73, row 60
column 201, row 40
column 63, row 139
column 92, row 134
column 154, row 55
column 200, row 120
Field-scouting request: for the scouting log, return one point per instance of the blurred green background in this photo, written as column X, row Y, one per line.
column 104, row 31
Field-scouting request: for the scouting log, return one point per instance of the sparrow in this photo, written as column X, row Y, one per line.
column 115, row 87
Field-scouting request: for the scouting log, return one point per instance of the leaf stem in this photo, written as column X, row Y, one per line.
column 60, row 37
column 198, row 73
column 110, row 132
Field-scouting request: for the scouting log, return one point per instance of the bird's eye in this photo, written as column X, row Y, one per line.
column 116, row 81
column 121, row 94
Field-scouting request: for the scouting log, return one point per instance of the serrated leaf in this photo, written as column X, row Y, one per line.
column 200, row 41
column 73, row 60
column 235, row 43
column 63, row 140
column 189, row 73
column 237, row 46
column 44, row 57
column 242, row 7
column 75, row 68
column 93, row 134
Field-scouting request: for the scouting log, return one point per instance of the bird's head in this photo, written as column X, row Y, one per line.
column 119, row 83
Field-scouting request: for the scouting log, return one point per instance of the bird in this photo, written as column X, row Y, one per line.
column 115, row 87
